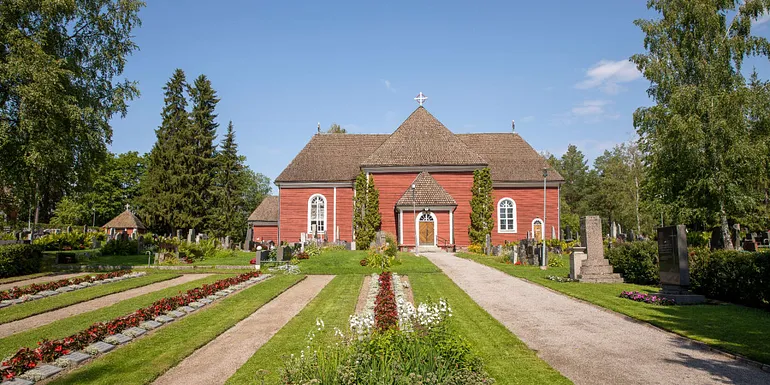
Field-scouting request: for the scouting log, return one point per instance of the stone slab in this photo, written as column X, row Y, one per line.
column 684, row 299
column 186, row 309
column 164, row 319
column 591, row 236
column 101, row 347
column 149, row 325
column 45, row 371
column 196, row 305
column 35, row 296
column 48, row 293
column 213, row 297
column 120, row 338
column 222, row 293
column 64, row 289
column 76, row 357
column 205, row 301
column 134, row 332
column 176, row 314
column 4, row 304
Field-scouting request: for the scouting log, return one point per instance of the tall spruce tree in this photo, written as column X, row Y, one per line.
column 482, row 207
column 227, row 214
column 198, row 155
column 162, row 185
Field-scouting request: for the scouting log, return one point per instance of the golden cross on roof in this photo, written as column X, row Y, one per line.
column 421, row 98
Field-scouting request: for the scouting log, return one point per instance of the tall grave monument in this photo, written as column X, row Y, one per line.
column 675, row 266
column 595, row 268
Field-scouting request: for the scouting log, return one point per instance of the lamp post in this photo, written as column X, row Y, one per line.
column 414, row 213
column 545, row 176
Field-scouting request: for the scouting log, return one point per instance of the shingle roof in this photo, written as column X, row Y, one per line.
column 267, row 211
column 427, row 193
column 126, row 220
column 331, row 158
column 510, row 158
column 422, row 140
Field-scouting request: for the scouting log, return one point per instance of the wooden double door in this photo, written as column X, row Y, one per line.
column 427, row 230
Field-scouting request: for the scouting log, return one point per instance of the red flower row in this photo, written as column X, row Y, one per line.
column 17, row 292
column 48, row 351
column 385, row 309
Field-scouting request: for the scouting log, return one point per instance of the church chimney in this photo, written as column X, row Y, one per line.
column 513, row 125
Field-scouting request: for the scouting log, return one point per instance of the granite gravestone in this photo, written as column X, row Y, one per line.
column 595, row 268
column 674, row 265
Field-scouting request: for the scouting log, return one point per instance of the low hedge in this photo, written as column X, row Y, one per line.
column 636, row 261
column 733, row 276
column 20, row 259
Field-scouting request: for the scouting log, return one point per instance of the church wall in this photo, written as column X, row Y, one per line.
column 265, row 233
column 391, row 186
column 294, row 212
column 458, row 185
column 529, row 205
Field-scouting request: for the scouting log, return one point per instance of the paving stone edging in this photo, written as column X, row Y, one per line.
column 69, row 288
column 47, row 371
column 737, row 357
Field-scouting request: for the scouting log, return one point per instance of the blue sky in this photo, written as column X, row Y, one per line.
column 559, row 68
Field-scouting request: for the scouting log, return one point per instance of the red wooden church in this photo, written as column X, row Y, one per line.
column 424, row 174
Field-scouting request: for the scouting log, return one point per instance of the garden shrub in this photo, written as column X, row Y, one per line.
column 19, row 259
column 474, row 248
column 698, row 238
column 556, row 260
column 333, row 248
column 313, row 250
column 120, row 247
column 636, row 261
column 76, row 240
column 733, row 276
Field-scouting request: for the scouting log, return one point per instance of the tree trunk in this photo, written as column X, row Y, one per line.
column 638, row 221
column 727, row 239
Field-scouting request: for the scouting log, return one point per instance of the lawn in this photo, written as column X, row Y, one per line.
column 506, row 358
column 144, row 360
column 118, row 260
column 334, row 304
column 22, row 277
column 348, row 262
column 238, row 258
column 71, row 325
column 24, row 310
column 737, row 329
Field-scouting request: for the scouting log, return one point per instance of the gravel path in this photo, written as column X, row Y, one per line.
column 215, row 362
column 82, row 307
column 589, row 345
column 47, row 278
column 363, row 294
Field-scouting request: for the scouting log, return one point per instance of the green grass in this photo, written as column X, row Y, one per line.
column 118, row 260
column 24, row 310
column 334, row 304
column 728, row 327
column 238, row 258
column 144, row 360
column 506, row 358
column 72, row 325
column 347, row 262
column 22, row 277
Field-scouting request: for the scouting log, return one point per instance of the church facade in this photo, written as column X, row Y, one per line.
column 424, row 174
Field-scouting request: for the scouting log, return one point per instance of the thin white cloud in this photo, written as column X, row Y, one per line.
column 388, row 85
column 591, row 107
column 607, row 75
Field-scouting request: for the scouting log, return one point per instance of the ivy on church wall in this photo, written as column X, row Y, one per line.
column 482, row 207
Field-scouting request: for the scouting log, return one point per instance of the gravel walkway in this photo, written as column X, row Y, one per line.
column 47, row 278
column 215, row 362
column 82, row 307
column 589, row 345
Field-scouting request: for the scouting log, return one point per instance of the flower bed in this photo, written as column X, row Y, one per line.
column 30, row 292
column 385, row 308
column 26, row 359
column 647, row 298
column 560, row 279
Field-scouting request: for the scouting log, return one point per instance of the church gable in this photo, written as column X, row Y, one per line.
column 422, row 140
column 427, row 192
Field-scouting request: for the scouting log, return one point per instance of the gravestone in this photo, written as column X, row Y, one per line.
column 76, row 357
column 631, row 235
column 85, row 229
column 134, row 331
column 674, row 265
column 100, row 347
column 150, row 325
column 488, row 245
column 97, row 244
column 249, row 238
column 595, row 268
column 18, row 381
column 191, row 236
column 567, row 233
column 69, row 229
column 164, row 319
column 179, row 234
column 716, row 243
column 576, row 259
column 736, row 235
column 120, row 338
column 46, row 371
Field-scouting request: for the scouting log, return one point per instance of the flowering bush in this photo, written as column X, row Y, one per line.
column 474, row 248
column 427, row 353
column 385, row 309
column 48, row 351
column 17, row 292
column 648, row 298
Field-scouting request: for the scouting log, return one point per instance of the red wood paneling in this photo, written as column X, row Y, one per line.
column 529, row 205
column 391, row 186
column 265, row 233
column 345, row 213
column 459, row 185
column 294, row 206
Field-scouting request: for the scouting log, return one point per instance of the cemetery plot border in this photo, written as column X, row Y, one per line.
column 37, row 291
column 103, row 337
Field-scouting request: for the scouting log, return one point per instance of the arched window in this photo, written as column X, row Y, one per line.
column 316, row 214
column 506, row 216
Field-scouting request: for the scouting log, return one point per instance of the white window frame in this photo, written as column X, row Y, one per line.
column 500, row 220
column 309, row 211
